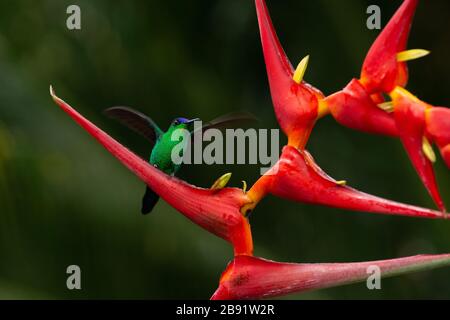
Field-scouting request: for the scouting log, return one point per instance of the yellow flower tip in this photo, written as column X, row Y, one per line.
column 427, row 149
column 244, row 186
column 221, row 182
column 387, row 106
column 301, row 69
column 341, row 183
column 411, row 54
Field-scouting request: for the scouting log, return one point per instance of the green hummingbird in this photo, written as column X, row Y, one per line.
column 161, row 142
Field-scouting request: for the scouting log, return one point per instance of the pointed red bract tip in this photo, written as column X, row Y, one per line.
column 297, row 177
column 438, row 128
column 256, row 278
column 295, row 104
column 381, row 71
column 410, row 119
column 276, row 60
column 355, row 109
column 216, row 211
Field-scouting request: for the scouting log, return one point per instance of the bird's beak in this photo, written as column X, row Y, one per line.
column 193, row 120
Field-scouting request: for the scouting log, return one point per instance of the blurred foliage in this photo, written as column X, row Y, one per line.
column 64, row 200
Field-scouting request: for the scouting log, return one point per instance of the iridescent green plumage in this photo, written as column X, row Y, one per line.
column 161, row 155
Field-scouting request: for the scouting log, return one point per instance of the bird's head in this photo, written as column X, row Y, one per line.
column 182, row 123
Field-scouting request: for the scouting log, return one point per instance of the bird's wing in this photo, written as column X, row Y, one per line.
column 136, row 121
column 234, row 119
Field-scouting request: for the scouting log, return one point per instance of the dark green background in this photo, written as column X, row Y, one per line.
column 64, row 200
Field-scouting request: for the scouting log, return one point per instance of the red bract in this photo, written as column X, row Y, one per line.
column 438, row 128
column 217, row 211
column 354, row 108
column 296, row 104
column 410, row 119
column 381, row 70
column 297, row 177
column 256, row 278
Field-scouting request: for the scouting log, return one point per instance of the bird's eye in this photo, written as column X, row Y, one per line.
column 176, row 122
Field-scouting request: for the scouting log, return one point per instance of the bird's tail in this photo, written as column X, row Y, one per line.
column 149, row 200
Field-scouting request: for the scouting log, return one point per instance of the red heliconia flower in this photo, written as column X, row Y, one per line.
column 296, row 103
column 256, row 278
column 297, row 177
column 438, row 129
column 409, row 113
column 358, row 105
column 217, row 211
column 382, row 71
column 384, row 68
column 361, row 105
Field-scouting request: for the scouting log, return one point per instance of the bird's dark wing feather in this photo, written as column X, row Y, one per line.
column 136, row 121
column 234, row 119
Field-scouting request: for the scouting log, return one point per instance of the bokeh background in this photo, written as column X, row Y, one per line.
column 64, row 200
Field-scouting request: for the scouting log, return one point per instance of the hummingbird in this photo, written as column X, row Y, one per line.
column 161, row 142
